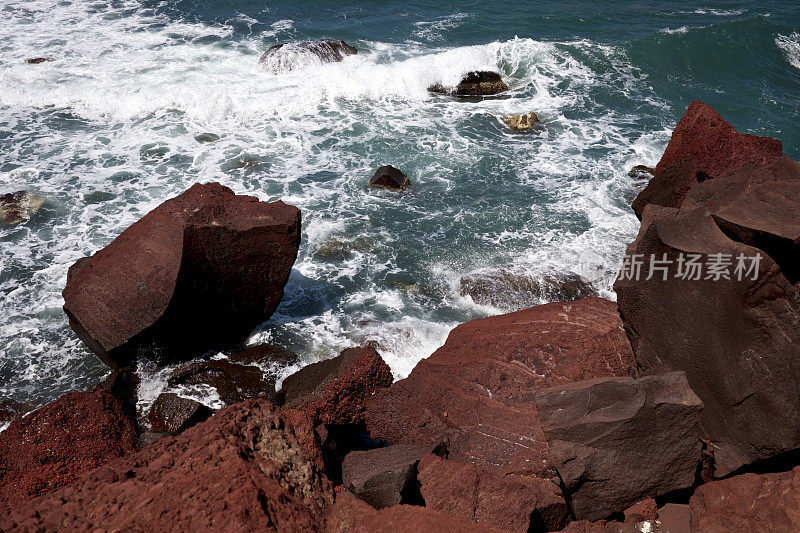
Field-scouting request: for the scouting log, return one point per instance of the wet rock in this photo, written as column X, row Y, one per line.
column 172, row 414
column 615, row 441
column 242, row 470
column 641, row 172
column 339, row 248
column 16, row 207
column 703, row 146
column 524, row 122
column 334, row 391
column 384, row 476
column 206, row 137
column 388, row 177
column 748, row 503
column 517, row 503
column 123, row 384
column 199, row 271
column 475, row 83
column 58, row 443
column 265, row 354
column 511, row 290
column 11, row 409
column 477, row 391
column 285, row 57
column 351, row 515
column 38, row 60
column 234, row 382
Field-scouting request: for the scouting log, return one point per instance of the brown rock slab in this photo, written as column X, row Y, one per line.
column 703, row 146
column 56, row 444
column 200, row 270
column 615, row 441
column 477, row 391
column 234, row 382
column 388, row 177
column 674, row 518
column 172, row 414
column 384, row 476
column 351, row 515
column 242, row 470
column 516, row 503
column 334, row 391
column 748, row 503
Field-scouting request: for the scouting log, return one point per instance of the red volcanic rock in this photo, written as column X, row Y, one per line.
column 736, row 339
column 703, row 146
column 200, row 270
column 242, row 470
column 641, row 511
column 351, row 515
column 617, row 440
column 54, row 445
column 477, row 390
column 517, row 503
column 334, row 391
column 749, row 503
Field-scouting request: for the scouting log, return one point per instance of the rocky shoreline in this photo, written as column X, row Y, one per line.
column 674, row 409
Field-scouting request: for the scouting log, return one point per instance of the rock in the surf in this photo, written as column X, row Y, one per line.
column 201, row 270
column 642, row 172
column 511, row 290
column 524, row 122
column 15, row 207
column 388, row 177
column 475, row 83
column 703, row 146
column 284, row 57
column 11, row 409
column 59, row 442
column 38, row 60
column 172, row 414
column 617, row 440
column 334, row 391
column 242, row 470
column 233, row 382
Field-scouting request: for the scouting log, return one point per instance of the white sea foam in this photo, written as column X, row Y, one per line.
column 118, row 109
column 682, row 29
column 791, row 47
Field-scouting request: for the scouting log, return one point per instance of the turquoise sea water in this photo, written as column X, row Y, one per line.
column 107, row 131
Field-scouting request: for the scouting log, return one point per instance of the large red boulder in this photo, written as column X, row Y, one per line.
column 351, row 515
column 200, row 270
column 54, row 445
column 748, row 503
column 618, row 440
column 334, row 391
column 477, row 390
column 734, row 327
column 242, row 470
column 703, row 147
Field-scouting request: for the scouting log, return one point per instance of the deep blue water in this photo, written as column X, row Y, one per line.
column 107, row 131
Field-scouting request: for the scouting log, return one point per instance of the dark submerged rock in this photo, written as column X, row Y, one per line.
column 510, row 290
column 172, row 414
column 642, row 172
column 388, row 177
column 234, row 382
column 199, row 271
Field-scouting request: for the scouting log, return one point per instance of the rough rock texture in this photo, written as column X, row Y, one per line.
column 351, row 515
column 200, row 270
column 703, row 147
column 54, row 445
column 476, row 83
column 384, row 476
column 284, row 57
column 242, row 470
column 524, row 122
column 234, row 383
column 16, row 207
column 511, row 290
column 641, row 511
column 615, row 441
column 477, row 390
column 736, row 338
column 388, row 177
column 334, row 391
column 748, row 503
column 517, row 503
column 172, row 414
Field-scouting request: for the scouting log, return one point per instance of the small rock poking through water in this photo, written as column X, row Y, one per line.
column 388, row 177
column 524, row 122
column 475, row 83
column 16, row 207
